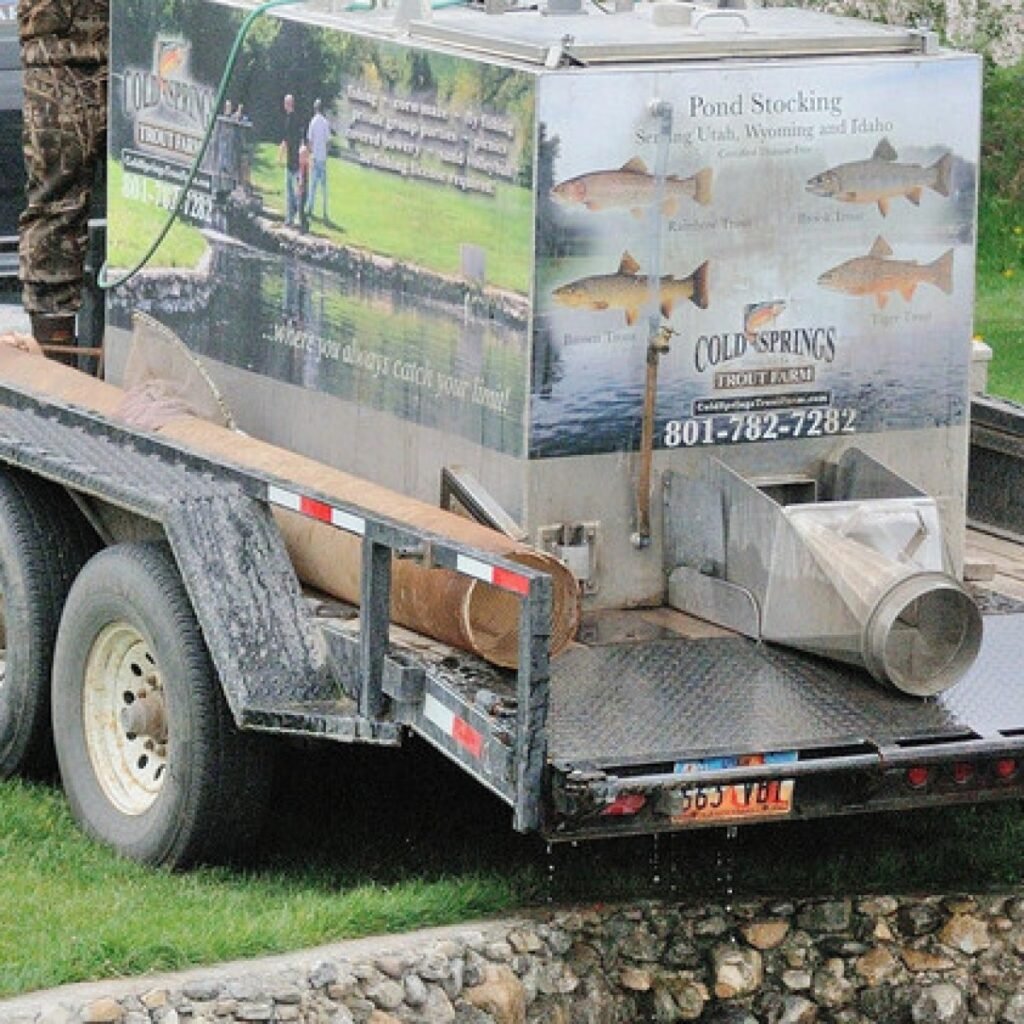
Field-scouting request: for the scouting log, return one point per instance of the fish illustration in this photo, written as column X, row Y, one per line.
column 881, row 179
column 759, row 315
column 629, row 290
column 877, row 275
column 632, row 187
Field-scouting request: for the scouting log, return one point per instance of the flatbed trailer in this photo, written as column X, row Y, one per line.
column 676, row 298
column 604, row 740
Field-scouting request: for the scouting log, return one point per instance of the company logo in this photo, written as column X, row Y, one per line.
column 815, row 343
column 168, row 108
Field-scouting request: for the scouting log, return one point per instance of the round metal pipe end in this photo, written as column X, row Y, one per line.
column 923, row 634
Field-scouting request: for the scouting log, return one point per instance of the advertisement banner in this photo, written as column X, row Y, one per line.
column 796, row 239
column 361, row 223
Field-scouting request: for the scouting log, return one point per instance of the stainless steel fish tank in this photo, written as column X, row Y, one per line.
column 562, row 257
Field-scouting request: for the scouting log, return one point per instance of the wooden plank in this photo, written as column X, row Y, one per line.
column 1007, row 556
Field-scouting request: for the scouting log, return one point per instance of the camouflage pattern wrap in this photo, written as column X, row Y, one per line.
column 64, row 48
column 60, row 32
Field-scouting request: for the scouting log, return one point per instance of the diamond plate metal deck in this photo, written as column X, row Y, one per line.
column 632, row 704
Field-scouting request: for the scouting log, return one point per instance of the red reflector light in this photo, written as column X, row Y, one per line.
column 918, row 776
column 625, row 804
column 1005, row 768
column 963, row 771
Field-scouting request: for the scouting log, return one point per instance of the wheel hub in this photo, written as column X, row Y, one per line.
column 125, row 718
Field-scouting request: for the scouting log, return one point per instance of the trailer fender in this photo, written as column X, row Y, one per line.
column 237, row 574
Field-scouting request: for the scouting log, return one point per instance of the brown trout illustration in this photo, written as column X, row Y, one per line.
column 759, row 315
column 877, row 275
column 632, row 187
column 881, row 179
column 629, row 290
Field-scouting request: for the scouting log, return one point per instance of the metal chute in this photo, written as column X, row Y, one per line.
column 861, row 579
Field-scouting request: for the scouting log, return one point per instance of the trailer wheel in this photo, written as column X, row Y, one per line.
column 150, row 759
column 44, row 542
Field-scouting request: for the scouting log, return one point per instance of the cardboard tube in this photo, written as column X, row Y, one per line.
column 448, row 606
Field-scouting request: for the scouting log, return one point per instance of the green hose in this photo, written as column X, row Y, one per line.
column 222, row 89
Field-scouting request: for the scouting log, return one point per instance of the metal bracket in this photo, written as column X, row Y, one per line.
column 927, row 39
column 714, row 599
column 458, row 485
column 576, row 545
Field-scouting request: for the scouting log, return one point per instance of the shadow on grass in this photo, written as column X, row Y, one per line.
column 351, row 816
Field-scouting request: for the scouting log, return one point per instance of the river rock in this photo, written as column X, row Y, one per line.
column 765, row 935
column 942, row 1003
column 738, row 971
column 966, row 933
column 501, row 995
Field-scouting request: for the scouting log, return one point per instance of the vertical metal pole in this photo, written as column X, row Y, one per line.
column 533, row 689
column 374, row 624
column 641, row 537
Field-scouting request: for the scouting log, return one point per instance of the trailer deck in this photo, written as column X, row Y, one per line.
column 630, row 730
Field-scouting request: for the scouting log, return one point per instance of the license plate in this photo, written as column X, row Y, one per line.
column 733, row 801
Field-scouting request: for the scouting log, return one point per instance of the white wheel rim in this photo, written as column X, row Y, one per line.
column 125, row 718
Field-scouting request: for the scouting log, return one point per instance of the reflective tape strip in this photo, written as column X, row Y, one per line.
column 319, row 510
column 451, row 725
column 492, row 574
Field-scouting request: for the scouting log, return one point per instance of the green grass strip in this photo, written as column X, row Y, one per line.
column 415, row 221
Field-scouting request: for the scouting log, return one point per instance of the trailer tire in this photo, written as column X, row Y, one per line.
column 149, row 756
column 44, row 542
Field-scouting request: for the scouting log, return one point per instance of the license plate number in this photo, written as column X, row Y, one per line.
column 733, row 801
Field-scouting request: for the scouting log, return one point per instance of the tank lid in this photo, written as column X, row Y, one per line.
column 597, row 33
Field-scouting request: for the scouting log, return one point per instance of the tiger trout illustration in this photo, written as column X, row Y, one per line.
column 881, row 179
column 877, row 275
column 629, row 290
column 632, row 187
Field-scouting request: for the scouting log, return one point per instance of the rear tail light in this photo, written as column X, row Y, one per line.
column 918, row 777
column 963, row 772
column 625, row 804
column 1005, row 768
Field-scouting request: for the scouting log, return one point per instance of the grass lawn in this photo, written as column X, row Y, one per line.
column 411, row 220
column 386, row 841
column 139, row 221
column 999, row 321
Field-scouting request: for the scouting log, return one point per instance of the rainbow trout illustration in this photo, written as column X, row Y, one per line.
column 759, row 315
column 632, row 187
column 629, row 290
column 877, row 275
column 881, row 179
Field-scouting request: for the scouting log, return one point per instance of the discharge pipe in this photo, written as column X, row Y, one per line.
column 448, row 606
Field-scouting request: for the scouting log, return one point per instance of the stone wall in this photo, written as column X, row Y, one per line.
column 992, row 27
column 938, row 960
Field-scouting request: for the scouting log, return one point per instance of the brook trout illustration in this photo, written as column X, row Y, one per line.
column 758, row 315
column 881, row 179
column 877, row 275
column 634, row 188
column 629, row 290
